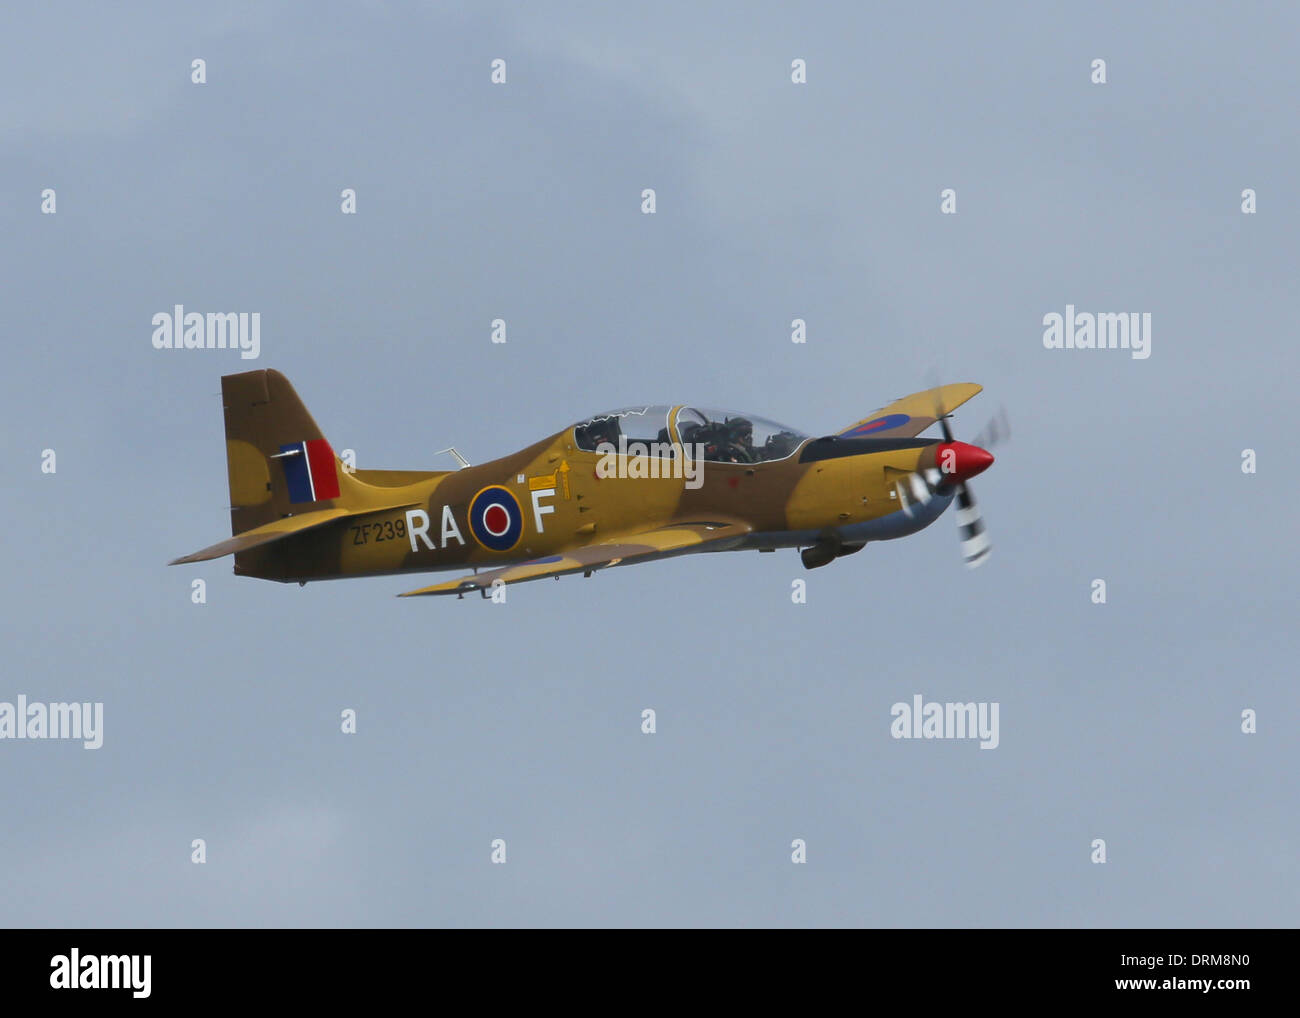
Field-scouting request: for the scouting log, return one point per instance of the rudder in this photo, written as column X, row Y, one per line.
column 277, row 461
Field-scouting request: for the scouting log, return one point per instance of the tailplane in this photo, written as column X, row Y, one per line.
column 283, row 474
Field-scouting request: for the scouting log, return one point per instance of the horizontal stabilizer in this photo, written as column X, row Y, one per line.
column 277, row 530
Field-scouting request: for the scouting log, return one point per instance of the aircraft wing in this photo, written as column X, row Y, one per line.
column 641, row 546
column 911, row 415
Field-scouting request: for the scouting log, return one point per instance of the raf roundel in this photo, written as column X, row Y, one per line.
column 495, row 519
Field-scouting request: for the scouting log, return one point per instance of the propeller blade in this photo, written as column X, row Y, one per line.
column 998, row 429
column 975, row 544
column 904, row 503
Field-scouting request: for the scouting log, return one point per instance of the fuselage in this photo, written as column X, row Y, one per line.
column 555, row 494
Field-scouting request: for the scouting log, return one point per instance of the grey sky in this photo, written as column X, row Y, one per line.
column 775, row 201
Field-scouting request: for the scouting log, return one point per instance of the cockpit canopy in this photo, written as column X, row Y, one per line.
column 715, row 436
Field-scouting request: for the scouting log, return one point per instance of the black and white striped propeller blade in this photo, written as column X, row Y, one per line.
column 917, row 489
column 975, row 543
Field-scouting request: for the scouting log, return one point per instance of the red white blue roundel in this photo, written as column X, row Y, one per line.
column 495, row 519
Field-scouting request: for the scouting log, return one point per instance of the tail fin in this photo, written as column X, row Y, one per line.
column 285, row 479
column 278, row 462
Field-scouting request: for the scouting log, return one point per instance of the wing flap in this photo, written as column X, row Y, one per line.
column 643, row 546
column 911, row 415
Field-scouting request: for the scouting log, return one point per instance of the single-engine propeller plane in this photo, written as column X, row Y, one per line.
column 632, row 485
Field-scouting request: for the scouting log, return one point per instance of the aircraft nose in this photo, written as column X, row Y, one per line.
column 960, row 461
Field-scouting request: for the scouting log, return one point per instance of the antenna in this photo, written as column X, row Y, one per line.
column 459, row 458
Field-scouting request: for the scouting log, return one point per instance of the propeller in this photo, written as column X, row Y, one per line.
column 975, row 544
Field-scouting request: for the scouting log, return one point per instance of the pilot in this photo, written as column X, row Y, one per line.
column 740, row 441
